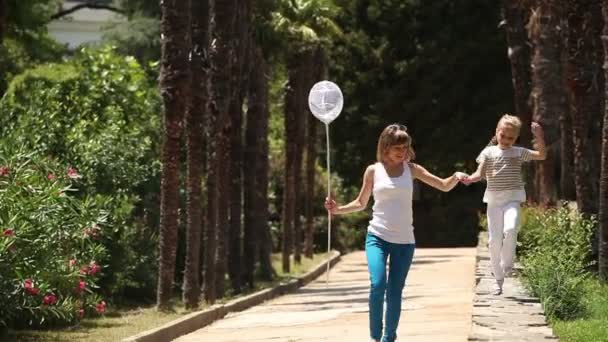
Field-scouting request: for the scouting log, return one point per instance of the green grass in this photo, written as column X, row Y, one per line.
column 594, row 326
column 124, row 322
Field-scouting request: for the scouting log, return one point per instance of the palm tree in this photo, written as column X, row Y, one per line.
column 312, row 125
column 515, row 14
column 547, row 89
column 583, row 77
column 304, row 24
column 195, row 148
column 221, row 55
column 175, row 91
column 240, row 71
column 603, row 203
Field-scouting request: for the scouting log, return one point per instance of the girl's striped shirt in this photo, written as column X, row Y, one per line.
column 503, row 173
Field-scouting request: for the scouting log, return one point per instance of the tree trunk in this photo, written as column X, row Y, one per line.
column 305, row 74
column 259, row 90
column 567, row 187
column 515, row 16
column 3, row 19
column 547, row 91
column 224, row 196
column 175, row 91
column 584, row 80
column 219, row 100
column 240, row 73
column 195, row 151
column 255, row 108
column 291, row 131
column 603, row 203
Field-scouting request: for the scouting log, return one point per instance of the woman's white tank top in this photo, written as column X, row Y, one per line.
column 392, row 218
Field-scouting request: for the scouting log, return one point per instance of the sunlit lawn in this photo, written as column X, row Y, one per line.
column 592, row 328
column 121, row 323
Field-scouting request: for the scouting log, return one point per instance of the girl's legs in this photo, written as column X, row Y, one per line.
column 376, row 251
column 400, row 261
column 511, row 222
column 495, row 234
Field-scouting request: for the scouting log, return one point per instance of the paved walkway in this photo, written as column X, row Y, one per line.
column 512, row 317
column 437, row 305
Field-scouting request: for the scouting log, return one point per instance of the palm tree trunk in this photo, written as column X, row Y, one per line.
column 584, row 80
column 312, row 138
column 175, row 91
column 195, row 151
column 291, row 130
column 3, row 19
column 255, row 106
column 236, row 192
column 547, row 91
column 305, row 77
column 515, row 15
column 223, row 222
column 241, row 69
column 219, row 101
column 567, row 186
column 603, row 203
column 259, row 90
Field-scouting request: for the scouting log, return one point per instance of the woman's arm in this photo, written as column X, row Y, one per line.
column 443, row 184
column 360, row 202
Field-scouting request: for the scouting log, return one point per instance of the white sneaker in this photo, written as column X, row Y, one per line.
column 498, row 287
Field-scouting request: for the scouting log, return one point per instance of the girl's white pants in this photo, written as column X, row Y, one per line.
column 503, row 221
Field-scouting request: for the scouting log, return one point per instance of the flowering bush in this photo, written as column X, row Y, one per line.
column 99, row 111
column 51, row 256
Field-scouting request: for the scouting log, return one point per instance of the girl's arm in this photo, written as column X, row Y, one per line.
column 360, row 202
column 443, row 184
column 477, row 175
column 539, row 152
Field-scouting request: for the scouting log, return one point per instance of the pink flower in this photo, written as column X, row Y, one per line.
column 28, row 285
column 93, row 268
column 81, row 286
column 4, row 171
column 51, row 177
column 49, row 299
column 73, row 262
column 84, row 270
column 80, row 313
column 94, row 231
column 8, row 232
column 73, row 174
column 101, row 307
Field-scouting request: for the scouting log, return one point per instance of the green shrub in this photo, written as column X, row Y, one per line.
column 554, row 250
column 51, row 251
column 100, row 112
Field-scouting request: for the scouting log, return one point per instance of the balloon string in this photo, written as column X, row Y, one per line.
column 328, row 196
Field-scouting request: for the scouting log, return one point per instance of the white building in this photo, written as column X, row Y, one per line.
column 83, row 26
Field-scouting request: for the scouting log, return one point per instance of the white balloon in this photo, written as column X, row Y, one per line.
column 325, row 101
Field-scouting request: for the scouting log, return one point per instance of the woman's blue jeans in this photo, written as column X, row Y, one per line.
column 400, row 259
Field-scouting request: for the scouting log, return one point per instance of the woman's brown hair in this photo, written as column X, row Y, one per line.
column 395, row 134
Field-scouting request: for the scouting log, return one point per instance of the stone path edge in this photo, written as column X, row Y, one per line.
column 202, row 318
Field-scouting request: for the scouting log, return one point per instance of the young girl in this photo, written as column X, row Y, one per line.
column 500, row 164
column 390, row 231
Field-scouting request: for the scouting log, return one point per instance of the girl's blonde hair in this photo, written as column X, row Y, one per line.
column 395, row 134
column 509, row 120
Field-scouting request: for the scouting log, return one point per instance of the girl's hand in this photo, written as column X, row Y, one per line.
column 331, row 205
column 461, row 176
column 537, row 130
